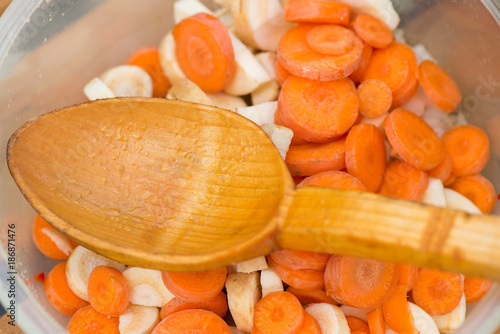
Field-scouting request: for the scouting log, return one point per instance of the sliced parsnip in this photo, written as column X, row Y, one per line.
column 434, row 193
column 146, row 287
column 270, row 281
column 268, row 61
column 383, row 9
column 456, row 201
column 355, row 312
column 128, row 80
column 243, row 293
column 186, row 8
column 331, row 319
column 139, row 319
column 249, row 266
column 187, row 90
column 417, row 103
column 449, row 322
column 261, row 113
column 96, row 89
column 168, row 59
column 266, row 93
column 423, row 321
column 226, row 101
column 280, row 135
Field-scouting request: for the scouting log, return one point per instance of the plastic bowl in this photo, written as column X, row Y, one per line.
column 50, row 48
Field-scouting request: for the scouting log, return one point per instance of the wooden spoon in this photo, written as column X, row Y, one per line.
column 179, row 186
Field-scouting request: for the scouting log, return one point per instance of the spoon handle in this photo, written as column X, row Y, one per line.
column 370, row 225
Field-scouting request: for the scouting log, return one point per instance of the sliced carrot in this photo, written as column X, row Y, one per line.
column 475, row 288
column 304, row 260
column 108, row 291
column 204, row 51
column 404, row 181
column 376, row 321
column 366, row 55
column 375, row 98
column 278, row 312
column 334, row 179
column 307, row 297
column 313, row 158
column 197, row 286
column 397, row 313
column 356, row 324
column 437, row 292
column 360, row 282
column 443, row 170
column 217, row 305
column 305, row 279
column 318, row 111
column 297, row 57
column 439, row 86
column 450, row 180
column 414, row 140
column 49, row 241
column 331, row 39
column 87, row 320
column 372, row 31
column 309, row 325
column 365, row 155
column 478, row 189
column 281, row 74
column 396, row 65
column 468, row 147
column 192, row 321
column 58, row 292
column 298, row 179
column 317, row 11
column 408, row 275
column 148, row 59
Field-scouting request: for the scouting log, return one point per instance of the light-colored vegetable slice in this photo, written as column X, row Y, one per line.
column 168, row 59
column 226, row 101
column 449, row 322
column 280, row 135
column 423, row 321
column 146, row 287
column 186, row 8
column 243, row 293
column 96, row 89
column 261, row 113
column 128, row 80
column 457, row 201
column 270, row 281
column 355, row 312
column 331, row 319
column 187, row 90
column 249, row 266
column 434, row 193
column 139, row 319
column 383, row 9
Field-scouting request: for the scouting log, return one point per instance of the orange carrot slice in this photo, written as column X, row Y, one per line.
column 307, row 297
column 443, row 170
column 310, row 325
column 217, row 305
column 469, row 149
column 317, row 11
column 334, row 179
column 331, row 39
column 376, row 321
column 197, row 286
column 478, row 189
column 148, row 59
column 192, row 321
column 404, row 181
column 437, row 292
column 372, row 31
column 297, row 57
column 318, row 111
column 58, row 292
column 87, row 320
column 375, row 98
column 360, row 282
column 366, row 55
column 108, row 291
column 204, row 51
column 49, row 241
column 305, row 279
column 310, row 159
column 356, row 324
column 397, row 313
column 439, row 86
column 408, row 275
column 304, row 260
column 281, row 74
column 414, row 140
column 278, row 312
column 475, row 288
column 450, row 180
column 365, row 155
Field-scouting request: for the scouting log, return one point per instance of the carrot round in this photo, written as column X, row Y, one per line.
column 397, row 313
column 396, row 65
column 278, row 312
column 148, row 59
column 313, row 158
column 469, row 149
column 108, row 291
column 334, row 179
column 404, row 181
column 356, row 324
column 304, row 259
column 408, row 275
column 375, row 98
column 192, row 321
column 318, row 111
column 439, row 86
column 281, row 74
column 414, row 140
column 443, row 170
column 372, row 31
column 307, row 297
column 360, row 282
column 305, row 279
column 217, row 305
column 297, row 57
column 376, row 322
column 475, row 288
column 478, row 189
column 58, row 292
column 196, row 286
column 331, row 39
column 204, row 51
column 87, row 320
column 366, row 55
column 437, row 292
column 365, row 155
column 44, row 235
column 309, row 325
column 450, row 180
column 317, row 11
